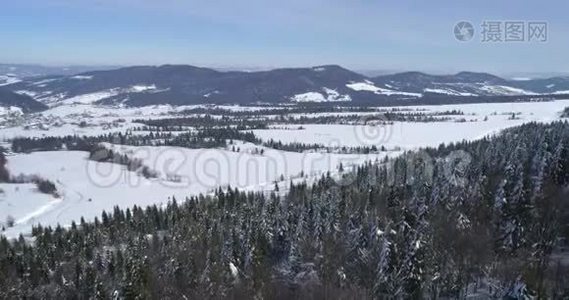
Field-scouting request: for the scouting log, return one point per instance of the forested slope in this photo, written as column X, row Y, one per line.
column 487, row 217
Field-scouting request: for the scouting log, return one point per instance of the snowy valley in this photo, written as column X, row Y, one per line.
column 88, row 187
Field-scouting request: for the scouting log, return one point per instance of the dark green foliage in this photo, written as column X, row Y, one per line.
column 26, row 103
column 565, row 113
column 100, row 153
column 4, row 174
column 45, row 186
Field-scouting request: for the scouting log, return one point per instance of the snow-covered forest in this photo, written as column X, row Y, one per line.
column 412, row 227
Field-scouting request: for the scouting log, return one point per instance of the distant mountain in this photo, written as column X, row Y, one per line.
column 14, row 73
column 8, row 79
column 461, row 84
column 26, row 71
column 555, row 85
column 180, row 84
column 25, row 102
column 185, row 85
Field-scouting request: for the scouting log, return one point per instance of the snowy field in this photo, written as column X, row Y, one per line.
column 87, row 187
column 63, row 120
column 22, row 202
column 411, row 135
column 64, row 130
column 90, row 187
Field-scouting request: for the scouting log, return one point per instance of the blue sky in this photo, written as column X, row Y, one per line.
column 358, row 34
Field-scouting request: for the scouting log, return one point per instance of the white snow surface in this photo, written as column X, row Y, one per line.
column 55, row 99
column 505, row 90
column 10, row 110
column 27, row 93
column 89, row 187
column 82, row 77
column 89, row 98
column 211, row 93
column 8, row 79
column 23, row 202
column 142, row 88
column 448, row 92
column 328, row 95
column 309, row 97
column 369, row 86
column 411, row 135
column 43, row 82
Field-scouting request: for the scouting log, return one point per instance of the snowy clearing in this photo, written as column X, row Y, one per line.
column 89, row 187
column 23, row 202
column 449, row 92
column 369, row 86
column 331, row 96
column 411, row 135
column 82, row 77
column 505, row 90
column 8, row 79
column 89, row 98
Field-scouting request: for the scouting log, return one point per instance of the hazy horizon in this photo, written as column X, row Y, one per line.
column 360, row 35
column 366, row 72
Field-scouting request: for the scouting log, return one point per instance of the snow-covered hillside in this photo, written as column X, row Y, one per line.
column 369, row 86
column 8, row 79
column 189, row 85
column 327, row 95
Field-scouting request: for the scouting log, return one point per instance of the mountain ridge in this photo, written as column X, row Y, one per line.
column 188, row 85
column 26, row 103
